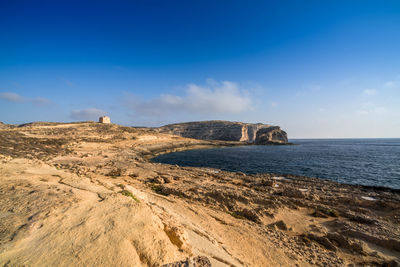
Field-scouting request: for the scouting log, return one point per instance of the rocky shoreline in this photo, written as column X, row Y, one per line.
column 86, row 193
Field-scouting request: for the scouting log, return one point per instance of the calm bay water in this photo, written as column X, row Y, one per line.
column 355, row 161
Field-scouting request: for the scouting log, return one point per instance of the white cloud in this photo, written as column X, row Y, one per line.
column 40, row 101
column 274, row 104
column 370, row 92
column 215, row 98
column 371, row 109
column 87, row 114
column 390, row 85
column 16, row 98
column 11, row 97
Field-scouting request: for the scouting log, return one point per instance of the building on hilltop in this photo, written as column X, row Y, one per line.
column 104, row 119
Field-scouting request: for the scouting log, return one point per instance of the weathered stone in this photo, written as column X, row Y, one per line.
column 249, row 214
column 199, row 261
column 177, row 235
column 292, row 192
column 319, row 214
column 344, row 242
column 322, row 240
column 116, row 172
column 158, row 180
column 167, row 179
column 268, row 182
column 279, row 224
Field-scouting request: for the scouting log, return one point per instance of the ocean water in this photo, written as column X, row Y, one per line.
column 373, row 162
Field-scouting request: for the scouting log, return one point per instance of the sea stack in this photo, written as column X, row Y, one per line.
column 271, row 135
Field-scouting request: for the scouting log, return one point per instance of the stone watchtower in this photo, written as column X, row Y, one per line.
column 104, row 119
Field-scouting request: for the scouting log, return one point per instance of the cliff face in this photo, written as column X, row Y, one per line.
column 228, row 131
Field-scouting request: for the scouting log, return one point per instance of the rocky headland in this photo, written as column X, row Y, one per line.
column 257, row 133
column 85, row 194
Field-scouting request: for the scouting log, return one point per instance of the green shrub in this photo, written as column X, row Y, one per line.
column 129, row 194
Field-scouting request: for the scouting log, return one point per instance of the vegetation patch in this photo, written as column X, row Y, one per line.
column 156, row 188
column 235, row 214
column 129, row 194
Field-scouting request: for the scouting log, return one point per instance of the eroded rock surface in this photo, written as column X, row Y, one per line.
column 261, row 134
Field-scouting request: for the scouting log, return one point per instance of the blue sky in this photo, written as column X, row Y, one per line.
column 316, row 68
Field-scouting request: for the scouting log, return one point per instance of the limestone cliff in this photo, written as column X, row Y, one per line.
column 257, row 133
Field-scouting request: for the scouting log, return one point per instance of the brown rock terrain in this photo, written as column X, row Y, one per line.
column 85, row 194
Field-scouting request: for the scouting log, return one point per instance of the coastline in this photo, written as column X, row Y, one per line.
column 190, row 146
column 359, row 161
column 230, row 218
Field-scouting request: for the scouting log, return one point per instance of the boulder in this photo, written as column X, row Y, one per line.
column 158, row 180
column 344, row 242
column 279, row 224
column 293, row 192
column 322, row 240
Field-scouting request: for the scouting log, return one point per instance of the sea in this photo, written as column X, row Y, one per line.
column 371, row 162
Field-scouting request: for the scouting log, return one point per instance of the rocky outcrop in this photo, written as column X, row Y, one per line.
column 6, row 126
column 257, row 133
column 3, row 126
column 271, row 135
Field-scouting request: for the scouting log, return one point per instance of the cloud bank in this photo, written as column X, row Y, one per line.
column 215, row 98
column 87, row 114
column 11, row 97
column 16, row 98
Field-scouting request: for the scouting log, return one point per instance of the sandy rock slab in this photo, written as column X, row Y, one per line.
column 50, row 219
